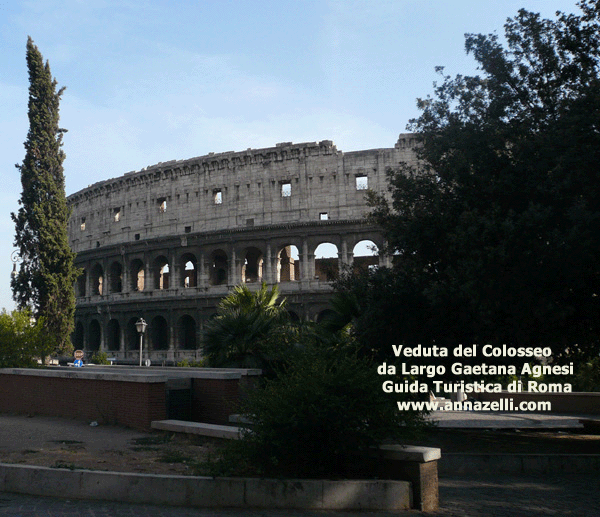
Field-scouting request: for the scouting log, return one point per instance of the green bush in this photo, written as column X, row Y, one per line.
column 187, row 363
column 100, row 358
column 22, row 340
column 315, row 416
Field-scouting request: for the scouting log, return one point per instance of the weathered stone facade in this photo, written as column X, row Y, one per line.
column 168, row 242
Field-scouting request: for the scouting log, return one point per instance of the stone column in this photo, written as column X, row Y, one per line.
column 233, row 269
column 268, row 275
column 148, row 277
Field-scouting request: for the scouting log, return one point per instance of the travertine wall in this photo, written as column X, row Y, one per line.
column 167, row 242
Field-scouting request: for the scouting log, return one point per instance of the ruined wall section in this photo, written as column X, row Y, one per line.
column 285, row 183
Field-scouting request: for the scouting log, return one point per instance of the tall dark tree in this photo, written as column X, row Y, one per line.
column 45, row 280
column 497, row 232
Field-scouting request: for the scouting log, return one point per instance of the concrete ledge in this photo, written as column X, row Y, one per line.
column 182, row 426
column 88, row 373
column 204, row 492
column 410, row 453
column 455, row 463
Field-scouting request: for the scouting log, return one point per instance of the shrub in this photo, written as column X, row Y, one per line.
column 318, row 414
column 22, row 340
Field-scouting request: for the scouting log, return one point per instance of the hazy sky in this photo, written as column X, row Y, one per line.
column 155, row 81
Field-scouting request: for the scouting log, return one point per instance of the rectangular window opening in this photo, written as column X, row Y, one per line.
column 286, row 189
column 117, row 215
column 82, row 223
column 162, row 205
column 362, row 182
column 218, row 196
column 323, row 216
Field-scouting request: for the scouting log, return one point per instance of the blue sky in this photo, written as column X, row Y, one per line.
column 162, row 80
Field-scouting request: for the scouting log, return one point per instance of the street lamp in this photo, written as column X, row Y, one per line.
column 141, row 325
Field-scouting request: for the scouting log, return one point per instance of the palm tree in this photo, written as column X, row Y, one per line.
column 239, row 336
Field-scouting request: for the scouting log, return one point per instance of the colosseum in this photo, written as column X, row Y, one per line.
column 166, row 243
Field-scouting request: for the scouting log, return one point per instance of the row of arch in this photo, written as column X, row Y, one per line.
column 221, row 268
column 93, row 336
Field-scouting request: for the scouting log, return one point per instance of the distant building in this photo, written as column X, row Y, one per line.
column 168, row 242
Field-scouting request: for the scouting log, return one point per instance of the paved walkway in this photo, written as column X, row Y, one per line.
column 460, row 496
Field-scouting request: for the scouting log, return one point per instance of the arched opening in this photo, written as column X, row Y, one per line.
column 113, row 335
column 81, row 283
column 218, row 270
column 189, row 266
column 97, row 280
column 159, row 334
column 132, row 336
column 161, row 273
column 115, row 275
column 326, row 262
column 95, row 336
column 78, row 336
column 252, row 270
column 366, row 256
column 187, row 333
column 137, row 275
column 288, row 264
column 324, row 314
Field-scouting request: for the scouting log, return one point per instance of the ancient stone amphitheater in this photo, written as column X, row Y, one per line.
column 166, row 243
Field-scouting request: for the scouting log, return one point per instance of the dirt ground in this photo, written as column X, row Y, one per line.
column 53, row 442
column 60, row 443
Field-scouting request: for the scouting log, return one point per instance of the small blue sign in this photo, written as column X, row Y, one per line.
column 78, row 363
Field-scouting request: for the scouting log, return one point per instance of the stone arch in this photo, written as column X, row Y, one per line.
column 95, row 336
column 132, row 336
column 82, row 283
column 288, row 264
column 218, row 268
column 189, row 268
column 78, row 336
column 252, row 270
column 113, row 336
column 186, row 331
column 97, row 280
column 161, row 272
column 159, row 333
column 365, row 255
column 115, row 277
column 137, row 275
column 326, row 262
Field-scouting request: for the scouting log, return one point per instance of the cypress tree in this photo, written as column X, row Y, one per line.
column 46, row 277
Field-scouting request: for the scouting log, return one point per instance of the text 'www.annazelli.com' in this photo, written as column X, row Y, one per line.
column 504, row 404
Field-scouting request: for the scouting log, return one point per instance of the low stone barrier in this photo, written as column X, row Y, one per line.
column 133, row 397
column 419, row 465
column 204, row 492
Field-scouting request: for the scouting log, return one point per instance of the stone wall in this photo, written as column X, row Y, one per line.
column 168, row 242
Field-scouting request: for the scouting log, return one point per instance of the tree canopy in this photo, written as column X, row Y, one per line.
column 496, row 234
column 45, row 280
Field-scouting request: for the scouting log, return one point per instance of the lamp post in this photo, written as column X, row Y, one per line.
column 141, row 325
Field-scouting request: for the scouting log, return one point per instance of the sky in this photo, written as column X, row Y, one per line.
column 153, row 81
